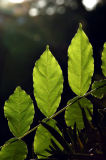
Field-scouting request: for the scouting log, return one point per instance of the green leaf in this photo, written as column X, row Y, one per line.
column 104, row 60
column 80, row 63
column 14, row 151
column 48, row 83
column 57, row 136
column 74, row 114
column 43, row 138
column 99, row 93
column 19, row 111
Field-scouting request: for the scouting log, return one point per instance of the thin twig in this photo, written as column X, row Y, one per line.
column 55, row 114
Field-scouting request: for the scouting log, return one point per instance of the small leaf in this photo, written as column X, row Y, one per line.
column 73, row 113
column 80, row 63
column 19, row 111
column 48, row 83
column 42, row 139
column 14, row 151
column 104, row 60
column 99, row 93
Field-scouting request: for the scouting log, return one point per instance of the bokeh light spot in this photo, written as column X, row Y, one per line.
column 16, row 1
column 33, row 12
column 90, row 4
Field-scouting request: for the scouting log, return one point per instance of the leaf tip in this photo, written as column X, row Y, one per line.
column 80, row 25
column 104, row 44
column 18, row 88
column 47, row 47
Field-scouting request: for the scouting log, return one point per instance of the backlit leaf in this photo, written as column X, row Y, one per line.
column 14, row 151
column 80, row 63
column 48, row 83
column 99, row 93
column 73, row 113
column 57, row 136
column 19, row 111
column 104, row 60
column 43, row 138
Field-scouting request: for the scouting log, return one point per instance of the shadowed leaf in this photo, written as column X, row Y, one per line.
column 42, row 139
column 101, row 85
column 57, row 136
column 73, row 113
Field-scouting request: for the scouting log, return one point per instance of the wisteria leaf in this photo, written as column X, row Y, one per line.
column 47, row 83
column 101, row 88
column 14, row 151
column 104, row 60
column 80, row 63
column 42, row 139
column 73, row 113
column 19, row 111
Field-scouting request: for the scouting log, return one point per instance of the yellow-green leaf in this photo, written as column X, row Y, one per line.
column 19, row 111
column 14, row 151
column 104, row 60
column 48, row 83
column 80, row 63
column 43, row 138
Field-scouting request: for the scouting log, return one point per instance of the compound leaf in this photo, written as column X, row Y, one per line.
column 19, row 111
column 80, row 63
column 74, row 114
column 48, row 83
column 104, row 60
column 101, row 88
column 42, row 139
column 14, row 151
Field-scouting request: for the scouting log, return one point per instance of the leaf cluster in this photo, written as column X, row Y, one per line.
column 49, row 140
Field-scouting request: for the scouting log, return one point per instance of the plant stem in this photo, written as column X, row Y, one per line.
column 56, row 114
column 61, row 110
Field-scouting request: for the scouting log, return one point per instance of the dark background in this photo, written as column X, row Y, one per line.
column 23, row 39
